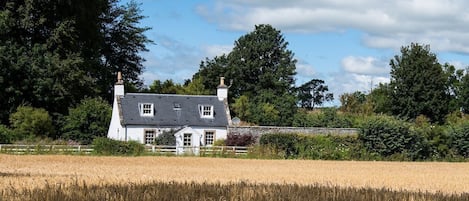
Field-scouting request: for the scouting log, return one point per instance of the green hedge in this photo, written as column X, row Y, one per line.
column 106, row 146
column 459, row 135
column 324, row 147
column 282, row 142
column 390, row 137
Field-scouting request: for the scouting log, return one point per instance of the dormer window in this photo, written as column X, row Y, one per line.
column 176, row 106
column 146, row 109
column 206, row 111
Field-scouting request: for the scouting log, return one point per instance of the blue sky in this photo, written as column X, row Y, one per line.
column 346, row 43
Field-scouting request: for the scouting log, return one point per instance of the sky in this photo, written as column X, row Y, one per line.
column 348, row 44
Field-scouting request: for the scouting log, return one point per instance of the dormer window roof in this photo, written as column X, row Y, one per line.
column 206, row 111
column 146, row 109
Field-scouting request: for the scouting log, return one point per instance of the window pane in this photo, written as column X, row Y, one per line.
column 187, row 139
column 209, row 137
column 150, row 136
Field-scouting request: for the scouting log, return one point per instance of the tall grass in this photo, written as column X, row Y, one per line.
column 214, row 191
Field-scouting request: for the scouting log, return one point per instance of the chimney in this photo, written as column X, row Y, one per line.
column 119, row 86
column 119, row 78
column 222, row 90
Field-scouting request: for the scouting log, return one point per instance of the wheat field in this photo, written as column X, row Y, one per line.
column 20, row 171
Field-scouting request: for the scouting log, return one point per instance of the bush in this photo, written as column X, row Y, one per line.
column 282, row 142
column 106, row 146
column 29, row 122
column 219, row 142
column 236, row 139
column 388, row 136
column 90, row 119
column 327, row 147
column 327, row 117
column 6, row 135
column 459, row 136
column 166, row 138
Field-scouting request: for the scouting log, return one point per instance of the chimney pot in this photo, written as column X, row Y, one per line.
column 222, row 82
column 119, row 78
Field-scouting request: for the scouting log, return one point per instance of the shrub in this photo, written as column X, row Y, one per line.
column 327, row 147
column 327, row 117
column 219, row 142
column 236, row 139
column 90, row 119
column 6, row 135
column 388, row 136
column 106, row 146
column 166, row 138
column 459, row 136
column 29, row 122
column 282, row 142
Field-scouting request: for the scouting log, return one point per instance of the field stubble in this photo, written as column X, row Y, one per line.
column 36, row 171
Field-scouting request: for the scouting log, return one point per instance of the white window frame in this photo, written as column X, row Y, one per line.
column 206, row 111
column 209, row 140
column 187, row 139
column 149, row 138
column 146, row 109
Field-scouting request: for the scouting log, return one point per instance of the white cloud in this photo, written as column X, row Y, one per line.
column 341, row 83
column 304, row 72
column 216, row 50
column 365, row 65
column 386, row 24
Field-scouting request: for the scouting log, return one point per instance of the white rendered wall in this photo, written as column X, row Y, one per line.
column 220, row 132
column 115, row 131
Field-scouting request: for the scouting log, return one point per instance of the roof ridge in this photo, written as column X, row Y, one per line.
column 182, row 95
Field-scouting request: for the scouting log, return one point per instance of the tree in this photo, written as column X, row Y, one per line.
column 380, row 99
column 54, row 53
column 418, row 84
column 241, row 107
column 313, row 93
column 352, row 102
column 89, row 120
column 463, row 92
column 260, row 66
column 211, row 70
column 29, row 122
column 454, row 86
column 261, row 61
column 195, row 87
column 167, row 87
column 122, row 42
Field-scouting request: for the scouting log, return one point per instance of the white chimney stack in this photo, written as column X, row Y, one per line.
column 119, row 86
column 222, row 90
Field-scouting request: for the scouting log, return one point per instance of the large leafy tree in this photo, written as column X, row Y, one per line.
column 262, row 69
column 261, row 61
column 418, row 84
column 54, row 53
column 313, row 93
column 463, row 94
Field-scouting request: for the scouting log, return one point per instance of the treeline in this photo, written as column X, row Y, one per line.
column 53, row 54
column 88, row 120
column 58, row 59
column 419, row 86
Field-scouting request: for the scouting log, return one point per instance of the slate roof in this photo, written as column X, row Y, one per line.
column 165, row 113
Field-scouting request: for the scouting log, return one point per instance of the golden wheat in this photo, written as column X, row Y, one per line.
column 37, row 170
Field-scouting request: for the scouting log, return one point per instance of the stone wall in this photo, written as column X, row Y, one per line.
column 260, row 130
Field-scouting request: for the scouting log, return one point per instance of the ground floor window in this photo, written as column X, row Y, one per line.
column 187, row 139
column 150, row 136
column 209, row 137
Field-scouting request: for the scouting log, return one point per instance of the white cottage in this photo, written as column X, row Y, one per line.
column 199, row 120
